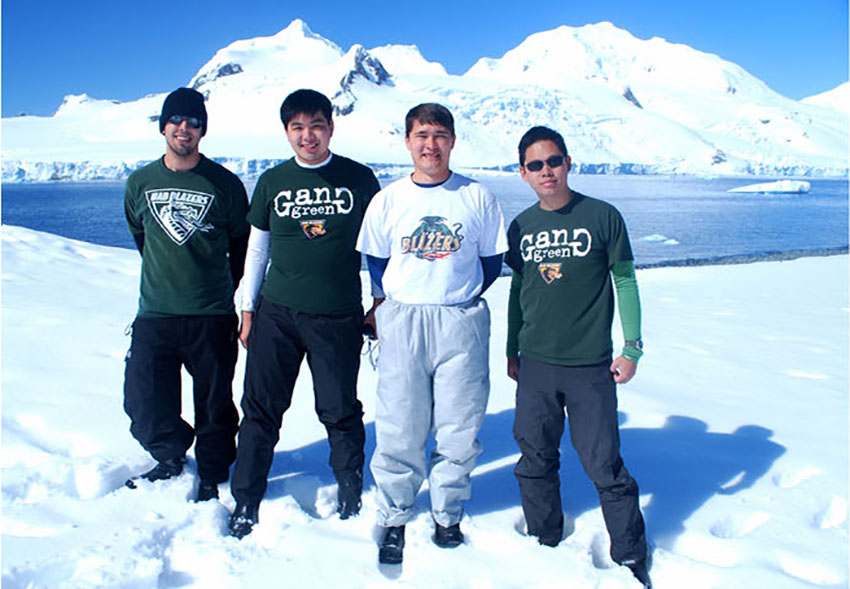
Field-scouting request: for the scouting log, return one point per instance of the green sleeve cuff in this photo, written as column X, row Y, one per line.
column 632, row 353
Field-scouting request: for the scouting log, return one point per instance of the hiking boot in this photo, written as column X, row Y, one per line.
column 163, row 470
column 244, row 518
column 448, row 537
column 639, row 570
column 392, row 545
column 348, row 493
column 206, row 490
column 550, row 541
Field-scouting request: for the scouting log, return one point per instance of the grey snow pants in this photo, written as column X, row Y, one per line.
column 433, row 379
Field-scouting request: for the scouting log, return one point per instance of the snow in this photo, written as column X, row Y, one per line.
column 838, row 98
column 735, row 428
column 406, row 59
column 621, row 102
column 776, row 187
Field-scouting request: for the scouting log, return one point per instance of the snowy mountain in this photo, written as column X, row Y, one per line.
column 623, row 104
column 838, row 98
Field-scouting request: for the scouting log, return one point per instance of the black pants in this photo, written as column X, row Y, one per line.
column 590, row 397
column 206, row 346
column 280, row 338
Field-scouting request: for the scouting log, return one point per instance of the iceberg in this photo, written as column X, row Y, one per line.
column 777, row 187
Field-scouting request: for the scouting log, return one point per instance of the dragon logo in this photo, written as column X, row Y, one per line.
column 180, row 212
column 313, row 228
column 550, row 272
column 433, row 239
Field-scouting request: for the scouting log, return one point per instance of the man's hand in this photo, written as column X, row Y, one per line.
column 369, row 319
column 513, row 367
column 623, row 369
column 247, row 320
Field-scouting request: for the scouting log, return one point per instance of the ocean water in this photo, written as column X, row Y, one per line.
column 680, row 219
column 671, row 220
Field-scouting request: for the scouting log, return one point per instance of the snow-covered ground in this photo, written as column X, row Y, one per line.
column 735, row 427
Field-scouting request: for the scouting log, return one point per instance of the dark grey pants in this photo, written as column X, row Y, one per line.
column 206, row 346
column 280, row 338
column 589, row 395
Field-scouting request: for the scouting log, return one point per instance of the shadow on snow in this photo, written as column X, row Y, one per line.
column 681, row 465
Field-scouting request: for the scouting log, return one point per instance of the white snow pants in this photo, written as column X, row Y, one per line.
column 433, row 377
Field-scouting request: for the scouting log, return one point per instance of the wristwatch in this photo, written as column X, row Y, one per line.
column 635, row 343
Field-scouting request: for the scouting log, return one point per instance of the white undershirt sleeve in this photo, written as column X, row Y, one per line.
column 256, row 261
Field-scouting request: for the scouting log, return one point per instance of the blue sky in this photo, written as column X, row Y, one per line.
column 123, row 51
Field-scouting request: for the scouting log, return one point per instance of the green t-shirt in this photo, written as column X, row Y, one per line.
column 313, row 216
column 563, row 259
column 188, row 220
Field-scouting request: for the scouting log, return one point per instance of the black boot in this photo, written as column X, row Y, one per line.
column 392, row 545
column 348, row 493
column 244, row 518
column 551, row 541
column 206, row 490
column 639, row 570
column 448, row 537
column 163, row 470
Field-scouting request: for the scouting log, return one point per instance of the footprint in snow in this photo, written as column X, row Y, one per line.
column 833, row 515
column 740, row 524
column 790, row 479
column 807, row 570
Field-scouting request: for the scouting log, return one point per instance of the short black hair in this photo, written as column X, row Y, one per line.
column 429, row 113
column 305, row 101
column 536, row 134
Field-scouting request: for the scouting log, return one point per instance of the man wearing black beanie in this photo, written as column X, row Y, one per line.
column 184, row 101
column 187, row 217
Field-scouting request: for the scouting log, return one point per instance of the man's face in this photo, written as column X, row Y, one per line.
column 182, row 139
column 310, row 135
column 550, row 180
column 430, row 146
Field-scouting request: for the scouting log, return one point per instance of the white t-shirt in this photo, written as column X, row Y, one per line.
column 434, row 237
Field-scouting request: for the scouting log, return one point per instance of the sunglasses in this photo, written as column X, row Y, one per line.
column 193, row 122
column 556, row 161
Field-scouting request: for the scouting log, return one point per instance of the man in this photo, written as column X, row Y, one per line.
column 564, row 251
column 305, row 215
column 187, row 216
column 434, row 243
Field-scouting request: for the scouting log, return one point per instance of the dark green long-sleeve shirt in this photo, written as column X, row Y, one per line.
column 562, row 301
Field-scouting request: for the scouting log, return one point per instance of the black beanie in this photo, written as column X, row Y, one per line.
column 184, row 102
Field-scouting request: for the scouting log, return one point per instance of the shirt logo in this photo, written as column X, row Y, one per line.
column 313, row 228
column 432, row 240
column 306, row 202
column 550, row 272
column 180, row 212
column 555, row 243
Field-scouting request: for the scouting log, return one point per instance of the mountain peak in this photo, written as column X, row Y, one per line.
column 291, row 51
column 604, row 54
column 297, row 32
column 75, row 101
column 406, row 59
column 838, row 98
column 363, row 66
column 298, row 28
